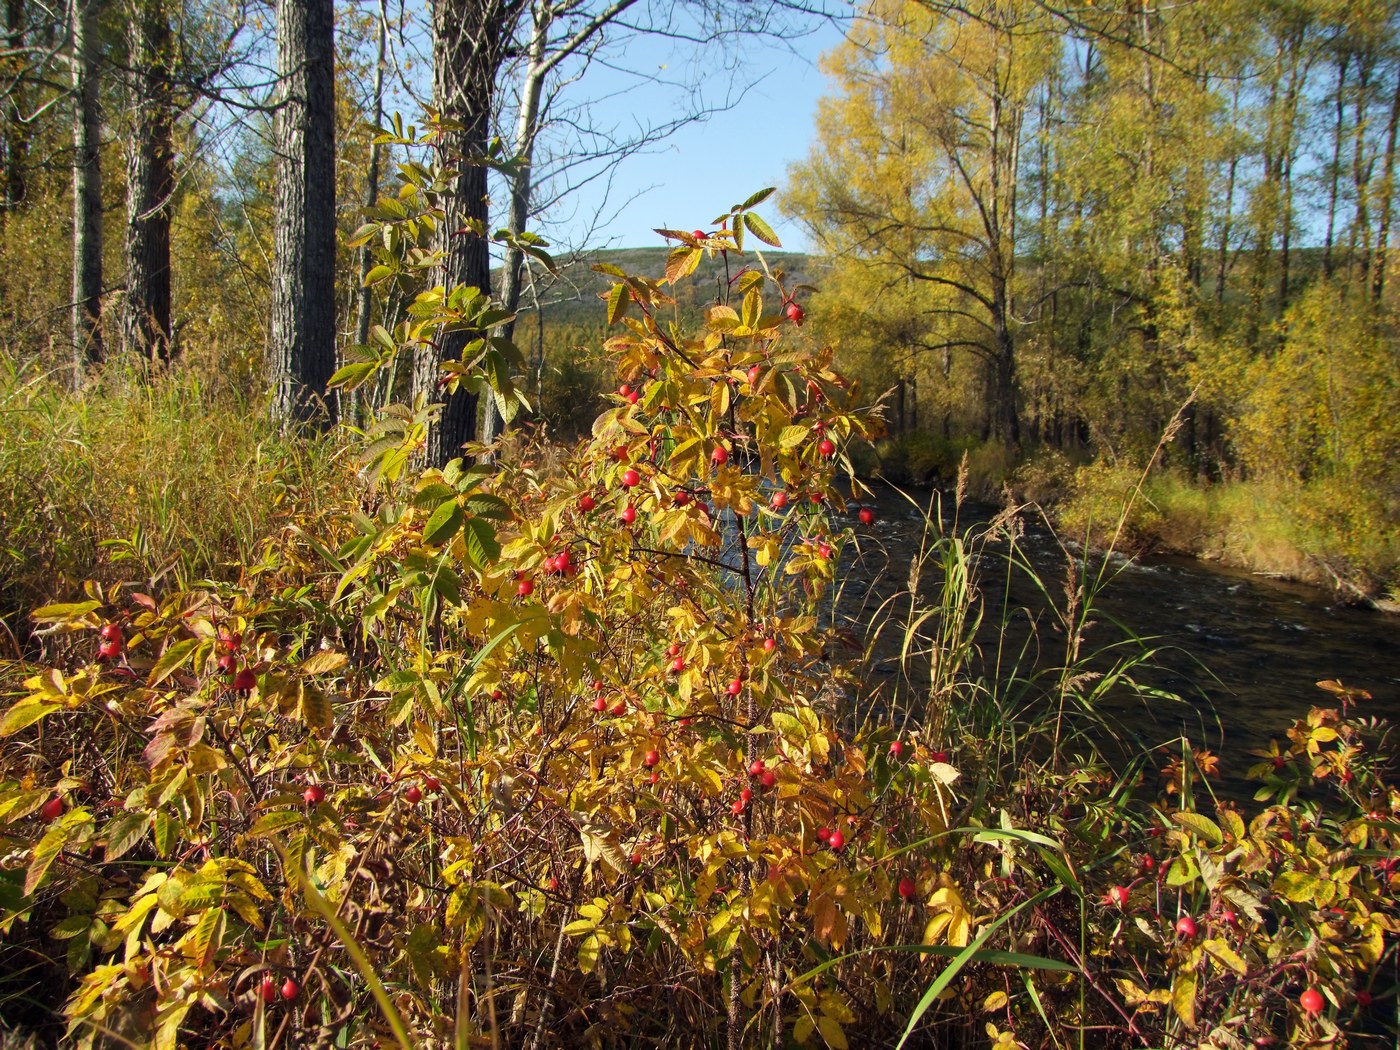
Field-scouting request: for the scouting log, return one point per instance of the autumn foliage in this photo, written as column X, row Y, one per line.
column 553, row 750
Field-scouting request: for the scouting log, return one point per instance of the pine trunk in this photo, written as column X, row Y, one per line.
column 150, row 184
column 302, row 344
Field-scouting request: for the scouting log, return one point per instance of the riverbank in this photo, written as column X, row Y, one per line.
column 1325, row 532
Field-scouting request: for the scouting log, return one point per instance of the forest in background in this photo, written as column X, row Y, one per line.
column 1048, row 234
column 318, row 734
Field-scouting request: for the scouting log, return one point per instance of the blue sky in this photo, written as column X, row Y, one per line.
column 702, row 170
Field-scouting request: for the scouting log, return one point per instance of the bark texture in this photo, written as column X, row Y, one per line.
column 150, row 175
column 87, row 186
column 470, row 39
column 301, row 351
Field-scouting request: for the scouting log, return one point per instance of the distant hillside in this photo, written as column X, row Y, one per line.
column 573, row 299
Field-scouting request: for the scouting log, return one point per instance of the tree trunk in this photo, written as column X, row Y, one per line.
column 1387, row 194
column 372, row 181
column 87, row 186
column 16, row 135
column 469, row 37
column 527, row 124
column 301, row 352
column 150, row 184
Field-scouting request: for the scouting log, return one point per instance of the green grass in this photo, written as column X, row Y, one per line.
column 138, row 478
column 1323, row 531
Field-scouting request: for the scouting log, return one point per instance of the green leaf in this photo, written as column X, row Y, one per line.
column 51, row 845
column 25, row 714
column 352, row 376
column 757, row 199
column 171, row 659
column 963, row 957
column 123, row 833
column 444, row 523
column 761, row 230
column 483, row 549
column 1296, row 886
column 64, row 613
column 1201, row 826
column 618, row 299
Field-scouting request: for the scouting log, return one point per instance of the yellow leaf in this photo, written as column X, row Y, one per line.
column 1184, row 997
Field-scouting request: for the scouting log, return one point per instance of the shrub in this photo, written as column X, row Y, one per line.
column 483, row 753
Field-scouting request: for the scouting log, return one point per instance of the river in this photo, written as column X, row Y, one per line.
column 1243, row 652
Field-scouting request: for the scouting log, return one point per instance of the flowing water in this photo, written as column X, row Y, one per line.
column 1243, row 652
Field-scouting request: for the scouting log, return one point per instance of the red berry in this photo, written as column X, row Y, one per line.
column 314, row 795
column 779, row 500
column 754, row 373
column 525, row 588
column 432, row 783
column 619, row 708
column 413, row 795
column 768, row 778
column 678, row 664
column 600, row 703
column 290, row 989
column 109, row 650
column 245, row 680
column 267, row 988
column 651, row 758
column 1311, row 1001
column 496, row 694
column 682, row 498
column 1363, row 999
column 674, row 649
column 52, row 809
column 226, row 663
column 624, row 390
column 823, row 834
column 736, row 687
column 629, row 514
column 837, row 840
column 633, row 397
column 827, row 447
column 1149, row 862
column 939, row 756
column 824, row 549
column 630, row 478
column 1186, row 927
column 769, row 644
column 720, row 455
column 1229, row 918
column 1118, row 896
column 795, row 313
column 908, row 887
column 746, row 793
column 553, row 884
column 699, row 235
column 737, row 806
column 897, row 748
column 619, row 452
column 586, row 503
column 756, row 767
column 1279, row 761
column 110, row 632
column 867, row 516
column 653, row 777
column 636, row 858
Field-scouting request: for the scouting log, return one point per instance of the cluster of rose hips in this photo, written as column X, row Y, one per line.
column 111, row 642
column 269, row 991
